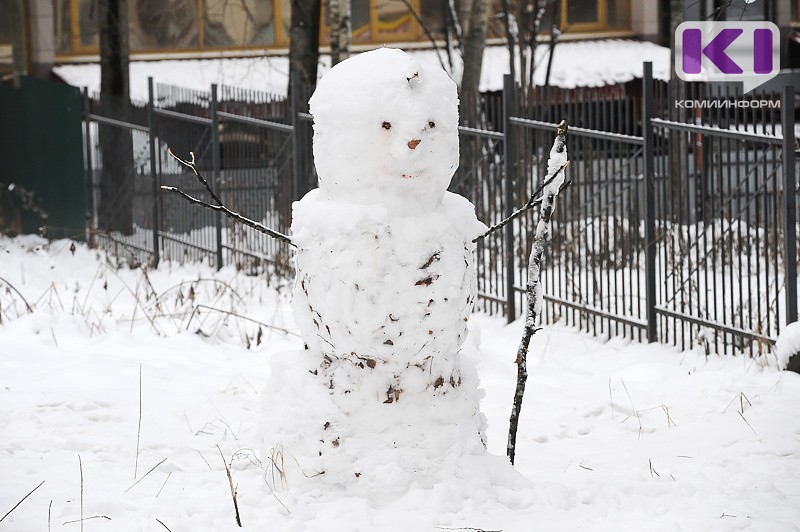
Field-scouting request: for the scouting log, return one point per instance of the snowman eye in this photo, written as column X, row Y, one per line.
column 431, row 124
column 386, row 125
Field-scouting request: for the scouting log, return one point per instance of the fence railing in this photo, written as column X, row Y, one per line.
column 679, row 226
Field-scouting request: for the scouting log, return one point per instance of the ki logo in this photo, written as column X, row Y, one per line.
column 727, row 51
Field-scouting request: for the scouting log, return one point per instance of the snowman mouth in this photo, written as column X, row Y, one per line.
column 412, row 175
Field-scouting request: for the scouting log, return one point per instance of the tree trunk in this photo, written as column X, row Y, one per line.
column 303, row 62
column 304, row 40
column 19, row 36
column 473, row 41
column 677, row 148
column 116, row 182
column 340, row 30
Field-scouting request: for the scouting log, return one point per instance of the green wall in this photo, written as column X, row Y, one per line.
column 41, row 149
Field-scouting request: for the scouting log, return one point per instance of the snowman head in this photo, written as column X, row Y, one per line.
column 385, row 131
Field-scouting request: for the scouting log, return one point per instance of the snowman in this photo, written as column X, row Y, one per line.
column 386, row 282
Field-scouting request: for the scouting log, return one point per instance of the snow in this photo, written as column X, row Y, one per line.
column 613, row 435
column 575, row 64
column 788, row 344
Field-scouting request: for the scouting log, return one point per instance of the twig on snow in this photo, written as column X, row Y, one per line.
column 650, row 461
column 139, row 428
column 231, row 313
column 233, row 489
column 80, row 465
column 534, row 287
column 220, row 207
column 81, row 520
column 14, row 288
column 164, row 484
column 162, row 524
column 21, row 500
column 466, row 528
column 145, row 475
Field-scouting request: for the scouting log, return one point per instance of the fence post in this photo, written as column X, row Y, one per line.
column 89, row 171
column 789, row 203
column 215, row 170
column 650, row 202
column 510, row 160
column 297, row 144
column 151, row 128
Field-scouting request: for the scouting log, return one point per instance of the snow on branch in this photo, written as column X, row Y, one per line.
column 220, row 207
column 553, row 184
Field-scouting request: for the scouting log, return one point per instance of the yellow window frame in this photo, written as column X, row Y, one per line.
column 413, row 33
column 600, row 24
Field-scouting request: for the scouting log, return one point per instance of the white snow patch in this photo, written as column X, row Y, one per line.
column 575, row 64
column 788, row 344
column 613, row 436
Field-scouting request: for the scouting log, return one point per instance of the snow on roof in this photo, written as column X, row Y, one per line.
column 575, row 64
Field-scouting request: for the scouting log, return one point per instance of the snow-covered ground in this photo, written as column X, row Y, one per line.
column 613, row 436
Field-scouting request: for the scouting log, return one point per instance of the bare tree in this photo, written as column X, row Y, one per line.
column 116, row 185
column 341, row 30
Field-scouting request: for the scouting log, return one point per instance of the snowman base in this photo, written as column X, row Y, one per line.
column 318, row 438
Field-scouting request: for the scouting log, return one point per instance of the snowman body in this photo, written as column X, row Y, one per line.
column 385, row 286
column 385, row 299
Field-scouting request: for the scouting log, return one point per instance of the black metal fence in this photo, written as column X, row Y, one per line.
column 679, row 225
column 245, row 143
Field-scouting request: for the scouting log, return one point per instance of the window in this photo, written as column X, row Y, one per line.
column 171, row 25
column 593, row 15
column 573, row 16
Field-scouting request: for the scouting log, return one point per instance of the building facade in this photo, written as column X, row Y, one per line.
column 66, row 31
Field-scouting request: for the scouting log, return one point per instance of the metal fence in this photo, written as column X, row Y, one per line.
column 249, row 145
column 679, row 225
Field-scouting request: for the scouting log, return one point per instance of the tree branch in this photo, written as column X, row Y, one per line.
column 534, row 289
column 220, row 207
column 532, row 202
column 428, row 33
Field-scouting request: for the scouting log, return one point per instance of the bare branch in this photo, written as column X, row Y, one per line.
column 220, row 207
column 428, row 33
column 534, row 290
column 230, row 214
column 193, row 167
column 532, row 202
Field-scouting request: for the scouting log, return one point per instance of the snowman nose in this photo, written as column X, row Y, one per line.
column 413, row 143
